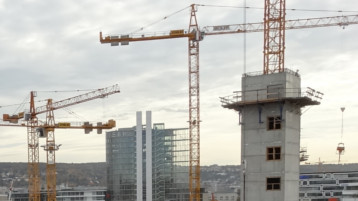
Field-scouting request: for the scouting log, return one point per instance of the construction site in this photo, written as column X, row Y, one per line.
column 253, row 111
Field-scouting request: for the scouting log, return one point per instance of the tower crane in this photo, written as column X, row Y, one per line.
column 36, row 129
column 340, row 147
column 274, row 27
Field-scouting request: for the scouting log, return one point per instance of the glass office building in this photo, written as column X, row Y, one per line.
column 147, row 162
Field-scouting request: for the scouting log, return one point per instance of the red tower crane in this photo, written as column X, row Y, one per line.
column 274, row 36
column 340, row 147
column 274, row 27
column 36, row 129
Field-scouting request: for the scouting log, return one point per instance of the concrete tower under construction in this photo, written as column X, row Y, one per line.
column 269, row 107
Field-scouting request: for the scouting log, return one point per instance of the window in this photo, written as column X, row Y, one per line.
column 273, row 153
column 273, row 183
column 274, row 123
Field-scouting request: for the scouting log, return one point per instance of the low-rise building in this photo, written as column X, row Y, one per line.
column 66, row 194
column 326, row 186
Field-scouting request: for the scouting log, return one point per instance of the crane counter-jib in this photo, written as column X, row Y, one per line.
column 124, row 39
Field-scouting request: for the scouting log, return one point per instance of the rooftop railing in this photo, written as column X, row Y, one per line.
column 261, row 95
column 258, row 73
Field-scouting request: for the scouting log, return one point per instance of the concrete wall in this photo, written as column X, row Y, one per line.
column 255, row 87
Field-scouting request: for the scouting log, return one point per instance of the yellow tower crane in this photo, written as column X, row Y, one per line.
column 274, row 27
column 36, row 129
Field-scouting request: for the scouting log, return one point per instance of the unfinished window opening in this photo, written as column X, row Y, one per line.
column 274, row 123
column 273, row 183
column 273, row 153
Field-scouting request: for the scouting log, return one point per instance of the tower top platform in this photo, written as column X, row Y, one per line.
column 270, row 88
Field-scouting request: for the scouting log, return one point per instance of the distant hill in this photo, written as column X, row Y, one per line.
column 220, row 178
column 69, row 174
column 329, row 168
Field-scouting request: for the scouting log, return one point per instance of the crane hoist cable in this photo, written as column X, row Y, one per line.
column 21, row 106
column 240, row 7
column 160, row 20
column 27, row 97
column 69, row 111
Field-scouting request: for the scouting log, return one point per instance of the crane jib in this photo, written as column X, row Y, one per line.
column 99, row 93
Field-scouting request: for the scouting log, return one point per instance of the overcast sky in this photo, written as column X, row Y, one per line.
column 54, row 45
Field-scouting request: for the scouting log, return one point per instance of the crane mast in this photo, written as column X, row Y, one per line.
column 50, row 149
column 274, row 36
column 194, row 108
column 33, row 169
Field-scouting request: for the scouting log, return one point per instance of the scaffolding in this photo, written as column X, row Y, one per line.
column 170, row 163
